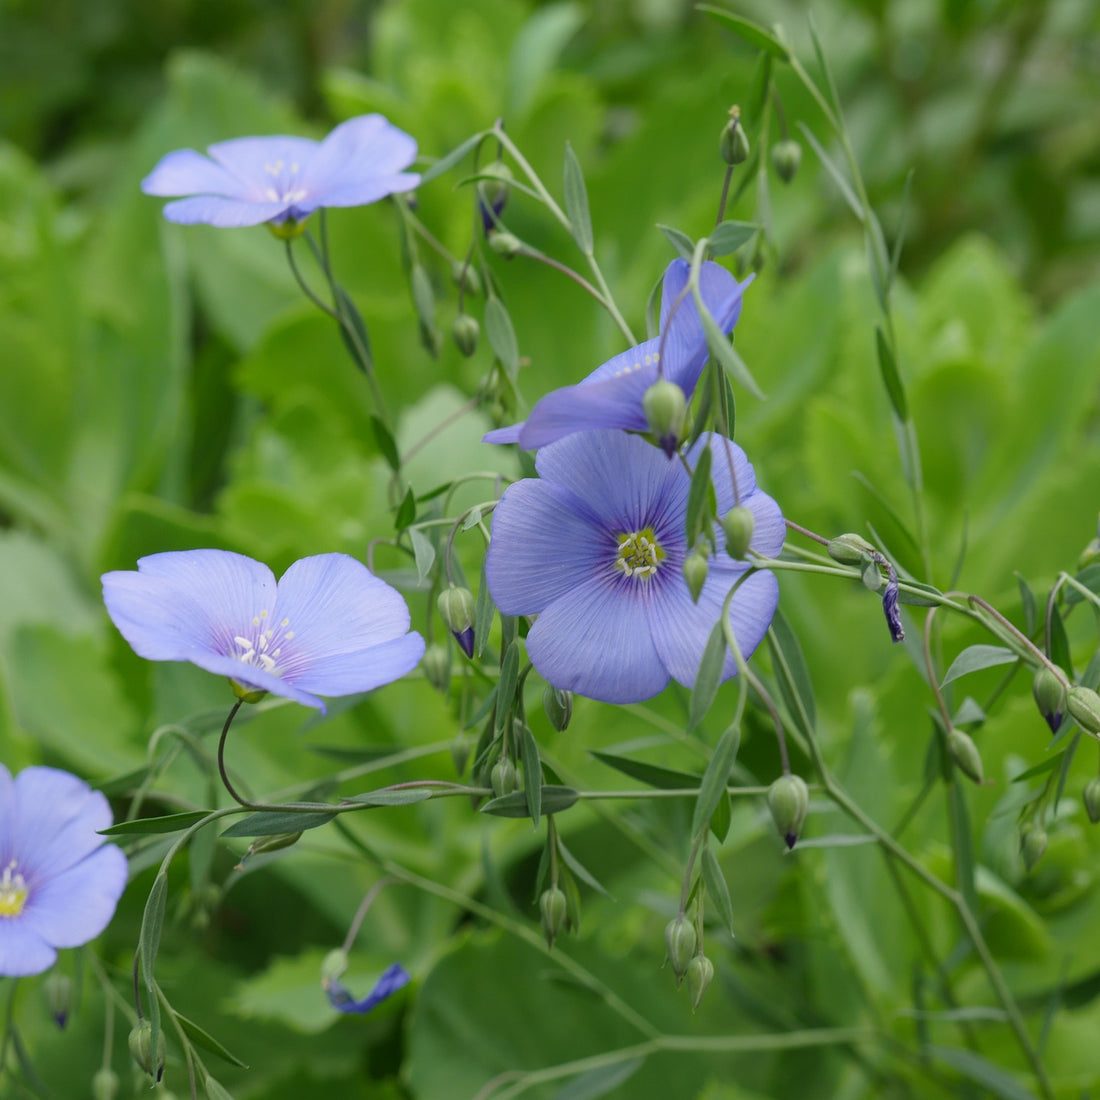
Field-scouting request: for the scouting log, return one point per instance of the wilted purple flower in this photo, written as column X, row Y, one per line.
column 391, row 981
column 611, row 396
column 595, row 547
column 329, row 627
column 251, row 180
column 59, row 883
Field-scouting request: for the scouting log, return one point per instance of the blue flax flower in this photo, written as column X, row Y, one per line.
column 251, row 180
column 595, row 547
column 611, row 396
column 329, row 627
column 59, row 883
column 341, row 999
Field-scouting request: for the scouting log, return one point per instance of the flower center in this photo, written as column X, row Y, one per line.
column 283, row 178
column 262, row 648
column 639, row 553
column 653, row 357
column 13, row 891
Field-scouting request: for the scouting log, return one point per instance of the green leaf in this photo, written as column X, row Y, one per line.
column 423, row 296
column 716, row 777
column 723, row 351
column 708, row 677
column 838, row 176
column 402, row 796
column 532, row 771
column 720, row 820
column 170, row 823
column 727, row 237
column 794, row 677
column 964, row 846
column 535, row 52
column 976, row 657
column 406, row 513
column 554, row 799
column 914, row 599
column 207, row 1041
column 423, row 553
column 580, row 870
column 576, row 202
column 446, row 163
column 748, row 32
column 502, row 336
column 352, row 324
column 1089, row 578
column 665, row 779
column 152, row 921
column 683, row 244
column 599, row 1081
column 981, row 1071
column 887, row 364
column 700, row 517
column 1027, row 600
column 506, row 685
column 903, row 222
column 717, row 889
column 483, row 615
column 1059, row 643
column 826, row 71
column 270, row 823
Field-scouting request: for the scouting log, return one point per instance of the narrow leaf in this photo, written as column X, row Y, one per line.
column 683, row 244
column 1041, row 768
column 748, row 32
column 386, row 444
column 888, row 366
column 423, row 552
column 506, row 685
column 402, row 796
column 502, row 336
column 406, row 513
column 483, row 615
column 794, row 677
column 576, row 201
column 446, row 163
column 716, row 778
column 976, row 657
column 1027, row 600
column 719, row 892
column 580, row 870
column 1059, row 643
column 152, row 921
column 838, row 176
column 708, row 677
column 727, row 237
column 665, row 779
column 207, row 1041
column 724, row 352
column 272, row 823
column 170, row 823
column 700, row 493
column 903, row 221
column 1089, row 578
column 554, row 799
column 532, row 772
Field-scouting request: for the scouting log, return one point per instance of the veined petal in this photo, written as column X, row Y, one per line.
column 362, row 670
column 544, row 542
column 186, row 172
column 355, row 156
column 509, row 434
column 22, row 950
column 625, row 363
column 595, row 640
column 259, row 162
column 360, row 192
column 75, row 906
column 223, row 213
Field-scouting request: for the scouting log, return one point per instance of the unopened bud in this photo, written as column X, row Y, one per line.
column 1091, row 798
column 1083, row 705
column 665, row 408
column 105, row 1084
column 466, row 276
column 965, row 754
column 141, row 1049
column 504, row 244
column 492, row 192
column 1050, row 696
column 786, row 158
column 695, row 569
column 504, row 778
column 1033, row 843
column 333, row 966
column 738, row 524
column 437, row 667
column 558, row 705
column 465, row 332
column 680, row 945
column 733, row 144
column 700, row 973
column 789, row 802
column 457, row 608
column 58, row 991
column 555, row 913
column 260, row 846
column 849, row 549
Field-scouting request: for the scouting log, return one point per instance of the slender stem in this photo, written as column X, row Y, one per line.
column 445, row 423
column 806, row 532
column 361, row 912
column 724, row 198
column 323, row 306
column 534, row 254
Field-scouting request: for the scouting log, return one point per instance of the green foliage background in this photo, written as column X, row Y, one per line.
column 167, row 387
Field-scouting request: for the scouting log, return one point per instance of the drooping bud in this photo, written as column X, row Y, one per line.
column 1091, row 798
column 504, row 244
column 492, row 193
column 849, row 549
column 680, row 944
column 457, row 608
column 665, row 408
column 695, row 569
column 789, row 802
column 465, row 332
column 465, row 275
column 1050, row 696
column 105, row 1084
column 58, row 991
column 141, row 1049
column 437, row 667
column 786, row 158
column 558, row 705
column 1033, row 843
column 700, row 973
column 504, row 778
column 1083, row 705
column 738, row 524
column 555, row 913
column 264, row 844
column 733, row 144
column 965, row 754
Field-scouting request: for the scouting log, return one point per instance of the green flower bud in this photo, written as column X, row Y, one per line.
column 437, row 667
column 695, row 570
column 558, row 706
column 733, row 144
column 789, row 802
column 258, row 847
column 738, row 524
column 504, row 778
column 333, row 966
column 465, row 332
column 786, row 158
column 105, row 1084
column 965, row 754
column 58, row 991
column 555, row 913
column 1050, row 697
column 141, row 1049
column 493, row 190
column 849, row 549
column 504, row 244
column 457, row 608
column 700, row 973
column 1033, row 843
column 680, row 945
column 466, row 277
column 245, row 693
column 1083, row 705
column 1091, row 798
column 665, row 408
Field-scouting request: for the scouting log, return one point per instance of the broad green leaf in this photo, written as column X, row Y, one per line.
column 554, row 799
column 170, row 823
column 270, row 823
column 576, row 202
column 502, row 336
column 708, row 677
column 976, row 657
column 748, row 32
column 716, row 777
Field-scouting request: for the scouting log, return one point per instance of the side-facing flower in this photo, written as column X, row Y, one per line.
column 392, row 979
column 595, row 547
column 59, row 883
column 612, row 395
column 329, row 627
column 251, row 180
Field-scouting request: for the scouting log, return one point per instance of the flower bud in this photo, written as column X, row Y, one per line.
column 700, row 973
column 695, row 570
column 437, row 667
column 680, row 945
column 333, row 966
column 141, row 1049
column 492, row 192
column 786, row 158
column 1050, row 696
column 58, row 991
column 1083, row 705
column 1091, row 798
column 733, row 144
column 504, row 778
column 504, row 244
column 738, row 524
column 465, row 275
column 965, row 754
column 789, row 802
column 457, row 608
column 465, row 332
column 105, row 1084
column 555, row 913
column 558, row 705
column 849, row 549
column 665, row 408
column 258, row 847
column 1033, row 843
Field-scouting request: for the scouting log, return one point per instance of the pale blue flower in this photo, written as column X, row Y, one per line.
column 595, row 548
column 59, row 883
column 251, row 180
column 329, row 627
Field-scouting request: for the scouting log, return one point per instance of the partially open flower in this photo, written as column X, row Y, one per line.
column 392, row 979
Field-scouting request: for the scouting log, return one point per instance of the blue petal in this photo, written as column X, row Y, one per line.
column 22, row 950
column 186, row 172
column 363, row 670
column 258, row 162
column 509, row 434
column 75, row 906
column 359, row 162
column 394, row 978
column 224, row 213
